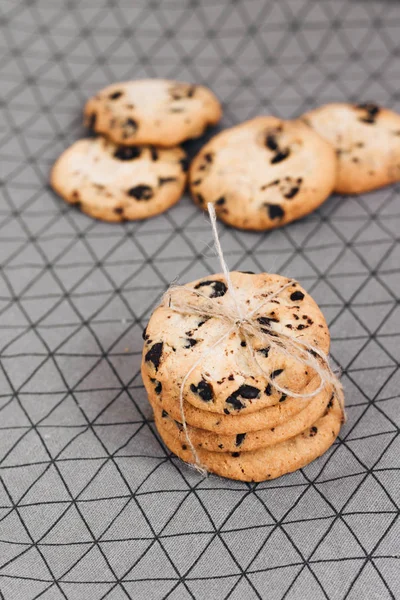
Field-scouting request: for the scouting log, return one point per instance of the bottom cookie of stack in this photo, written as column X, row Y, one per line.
column 264, row 463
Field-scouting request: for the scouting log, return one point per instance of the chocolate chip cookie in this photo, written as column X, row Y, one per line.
column 240, row 374
column 264, row 173
column 152, row 111
column 117, row 183
column 366, row 138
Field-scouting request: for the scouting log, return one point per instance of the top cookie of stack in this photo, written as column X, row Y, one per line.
column 137, row 170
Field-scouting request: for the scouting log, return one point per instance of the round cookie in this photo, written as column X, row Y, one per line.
column 245, row 441
column 118, row 183
column 152, row 111
column 264, row 173
column 227, row 379
column 231, row 424
column 366, row 138
column 265, row 463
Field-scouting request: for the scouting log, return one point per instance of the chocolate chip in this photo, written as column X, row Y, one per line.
column 118, row 210
column 184, row 447
column 247, row 272
column 220, row 446
column 266, row 321
column 163, row 180
column 164, row 414
column 115, row 95
column 130, row 126
column 154, row 354
column 239, row 438
column 280, row 156
column 370, row 107
column 243, row 344
column 313, row 431
column 153, row 153
column 275, row 211
column 200, row 199
column 292, row 192
column 141, row 192
column 208, row 157
column 144, row 334
column 264, row 351
column 204, row 390
column 158, row 387
column 127, row 152
column 190, row 342
column 220, row 201
column 276, row 373
column 330, row 403
column 235, row 454
column 301, row 327
column 184, row 162
column 372, row 111
column 271, row 142
column 218, row 288
column 268, row 390
column 283, row 398
column 296, row 296
column 234, row 402
column 248, row 392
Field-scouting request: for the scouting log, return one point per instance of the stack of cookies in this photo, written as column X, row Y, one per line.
column 134, row 168
column 216, row 390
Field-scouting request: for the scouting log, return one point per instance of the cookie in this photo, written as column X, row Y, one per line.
column 241, row 373
column 366, row 139
column 245, row 441
column 152, row 111
column 264, row 173
column 265, row 463
column 231, row 424
column 118, row 183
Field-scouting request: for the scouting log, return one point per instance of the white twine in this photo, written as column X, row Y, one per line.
column 184, row 300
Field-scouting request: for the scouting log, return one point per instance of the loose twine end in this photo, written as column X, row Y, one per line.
column 186, row 301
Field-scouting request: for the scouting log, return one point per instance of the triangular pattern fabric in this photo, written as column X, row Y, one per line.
column 92, row 504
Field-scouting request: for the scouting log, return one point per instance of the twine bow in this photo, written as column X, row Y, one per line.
column 238, row 318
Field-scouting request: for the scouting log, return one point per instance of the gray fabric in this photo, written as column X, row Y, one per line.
column 91, row 504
